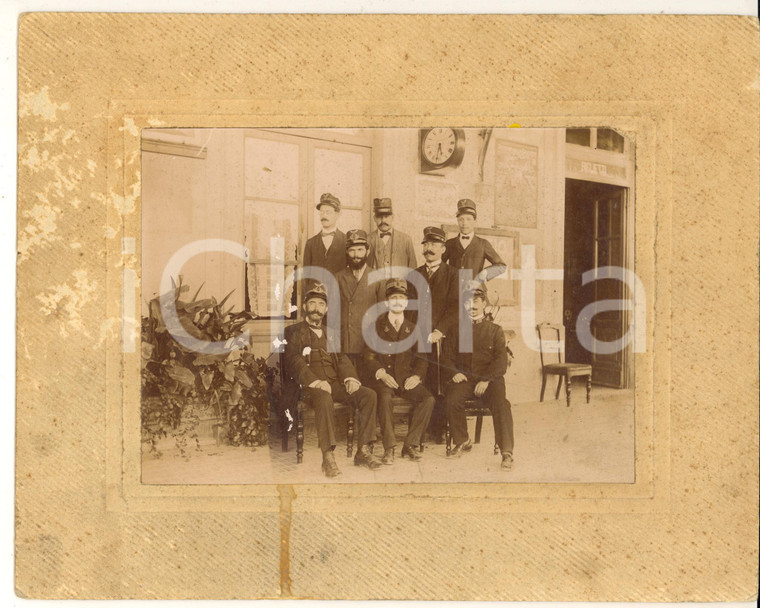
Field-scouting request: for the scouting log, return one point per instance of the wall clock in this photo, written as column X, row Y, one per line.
column 441, row 149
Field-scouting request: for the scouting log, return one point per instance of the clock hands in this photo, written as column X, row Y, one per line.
column 441, row 148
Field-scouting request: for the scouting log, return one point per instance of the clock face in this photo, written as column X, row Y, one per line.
column 439, row 145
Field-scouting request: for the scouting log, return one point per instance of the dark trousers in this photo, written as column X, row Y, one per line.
column 324, row 412
column 423, row 407
column 494, row 398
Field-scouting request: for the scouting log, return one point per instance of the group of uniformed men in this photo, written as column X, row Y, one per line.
column 368, row 373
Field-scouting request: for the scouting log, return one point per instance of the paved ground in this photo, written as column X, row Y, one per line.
column 553, row 443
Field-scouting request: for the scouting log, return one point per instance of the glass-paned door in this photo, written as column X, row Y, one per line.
column 284, row 177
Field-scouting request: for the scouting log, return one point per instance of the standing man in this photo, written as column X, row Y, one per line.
column 389, row 247
column 441, row 299
column 327, row 249
column 466, row 250
column 399, row 373
column 356, row 294
column 478, row 374
column 326, row 377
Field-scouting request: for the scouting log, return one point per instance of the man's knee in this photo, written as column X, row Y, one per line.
column 384, row 400
column 320, row 400
column 455, row 398
column 495, row 393
column 365, row 397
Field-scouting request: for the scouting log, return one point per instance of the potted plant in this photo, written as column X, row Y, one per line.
column 183, row 390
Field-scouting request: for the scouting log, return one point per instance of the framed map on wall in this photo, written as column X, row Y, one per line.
column 516, row 201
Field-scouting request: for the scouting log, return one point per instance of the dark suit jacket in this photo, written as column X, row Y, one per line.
column 398, row 252
column 400, row 365
column 474, row 257
column 333, row 259
column 355, row 298
column 297, row 368
column 443, row 299
column 488, row 360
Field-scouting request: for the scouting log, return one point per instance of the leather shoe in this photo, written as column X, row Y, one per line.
column 506, row 461
column 411, row 453
column 457, row 451
column 365, row 458
column 329, row 466
column 389, row 456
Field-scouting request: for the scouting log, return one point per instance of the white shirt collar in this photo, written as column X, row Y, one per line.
column 478, row 319
column 434, row 265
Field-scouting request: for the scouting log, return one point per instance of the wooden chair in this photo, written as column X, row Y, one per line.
column 565, row 371
column 291, row 416
column 472, row 407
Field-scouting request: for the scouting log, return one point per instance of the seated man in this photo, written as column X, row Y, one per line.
column 327, row 377
column 399, row 373
column 479, row 373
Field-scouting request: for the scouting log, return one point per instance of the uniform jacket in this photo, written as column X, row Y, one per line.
column 355, row 298
column 400, row 365
column 333, row 259
column 474, row 257
column 298, row 336
column 443, row 299
column 488, row 360
column 398, row 252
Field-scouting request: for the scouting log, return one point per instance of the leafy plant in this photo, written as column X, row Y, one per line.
column 179, row 384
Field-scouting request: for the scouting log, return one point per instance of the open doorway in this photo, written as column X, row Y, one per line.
column 595, row 230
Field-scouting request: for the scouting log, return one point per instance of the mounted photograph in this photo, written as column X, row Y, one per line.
column 388, row 305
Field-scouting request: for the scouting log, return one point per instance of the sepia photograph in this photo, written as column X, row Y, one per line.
column 388, row 305
column 328, row 306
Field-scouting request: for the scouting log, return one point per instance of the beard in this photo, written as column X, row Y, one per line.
column 356, row 263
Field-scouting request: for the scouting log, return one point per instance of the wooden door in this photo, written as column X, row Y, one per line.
column 594, row 238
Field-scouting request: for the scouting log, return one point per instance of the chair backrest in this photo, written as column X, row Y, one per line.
column 285, row 377
column 549, row 341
